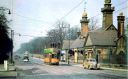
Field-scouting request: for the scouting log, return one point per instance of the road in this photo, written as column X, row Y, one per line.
column 36, row 69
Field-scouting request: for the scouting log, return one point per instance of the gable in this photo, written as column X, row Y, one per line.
column 89, row 41
column 111, row 27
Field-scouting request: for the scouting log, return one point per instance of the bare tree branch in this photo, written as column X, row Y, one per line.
column 93, row 25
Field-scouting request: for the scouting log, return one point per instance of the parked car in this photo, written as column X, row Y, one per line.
column 91, row 64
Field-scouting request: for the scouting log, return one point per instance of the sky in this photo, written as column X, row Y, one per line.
column 34, row 18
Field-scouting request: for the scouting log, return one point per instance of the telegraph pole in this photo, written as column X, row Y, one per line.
column 12, row 37
column 69, row 45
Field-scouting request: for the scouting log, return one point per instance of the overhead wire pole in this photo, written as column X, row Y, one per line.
column 12, row 38
column 12, row 33
column 69, row 46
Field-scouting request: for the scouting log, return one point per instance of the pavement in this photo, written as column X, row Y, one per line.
column 114, row 69
column 103, row 67
column 11, row 72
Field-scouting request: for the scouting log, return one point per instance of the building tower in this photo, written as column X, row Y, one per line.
column 84, row 22
column 121, row 42
column 107, row 14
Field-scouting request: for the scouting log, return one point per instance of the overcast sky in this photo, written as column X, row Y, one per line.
column 36, row 17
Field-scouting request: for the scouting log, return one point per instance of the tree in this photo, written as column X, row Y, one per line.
column 34, row 46
column 73, row 33
column 127, row 30
column 127, row 38
column 6, row 44
column 57, row 35
column 54, row 38
column 61, row 32
column 93, row 24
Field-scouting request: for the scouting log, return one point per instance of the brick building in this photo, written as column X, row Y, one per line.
column 107, row 44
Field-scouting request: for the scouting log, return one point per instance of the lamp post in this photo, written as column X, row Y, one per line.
column 3, row 9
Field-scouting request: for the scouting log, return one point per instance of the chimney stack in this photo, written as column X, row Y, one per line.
column 120, row 20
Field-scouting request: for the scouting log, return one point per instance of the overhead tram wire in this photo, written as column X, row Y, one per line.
column 65, row 14
column 93, row 16
column 29, row 35
column 121, row 3
column 49, row 22
column 32, row 19
column 121, row 9
column 18, row 34
column 114, row 11
column 70, row 11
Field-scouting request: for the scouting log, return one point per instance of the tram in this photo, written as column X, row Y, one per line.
column 51, row 56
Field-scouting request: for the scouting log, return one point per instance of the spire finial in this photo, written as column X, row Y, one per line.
column 107, row 1
column 84, row 13
column 121, row 14
column 85, row 2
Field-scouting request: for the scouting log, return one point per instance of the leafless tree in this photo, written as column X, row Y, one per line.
column 93, row 24
column 72, row 33
column 57, row 35
column 61, row 32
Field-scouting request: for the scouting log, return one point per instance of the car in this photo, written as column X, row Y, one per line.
column 90, row 63
column 25, row 60
column 26, row 57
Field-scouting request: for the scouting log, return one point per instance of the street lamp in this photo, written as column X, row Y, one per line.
column 3, row 9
